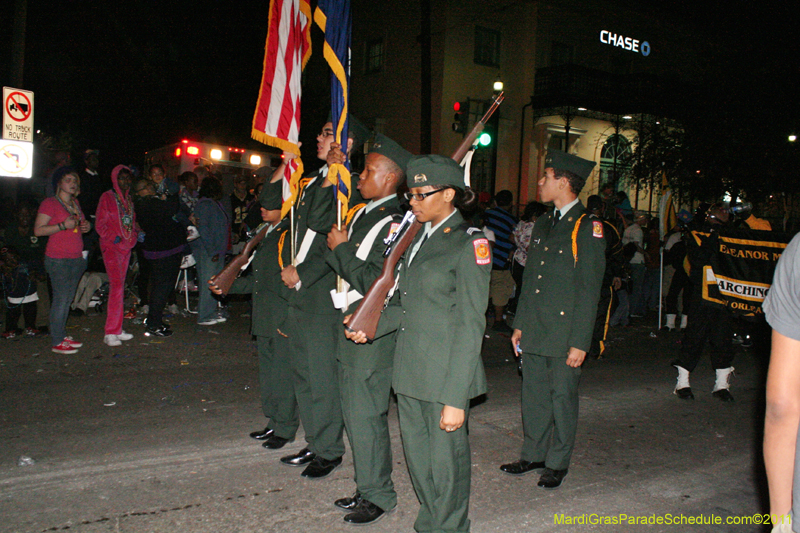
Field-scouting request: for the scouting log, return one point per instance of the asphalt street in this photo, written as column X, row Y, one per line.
column 152, row 436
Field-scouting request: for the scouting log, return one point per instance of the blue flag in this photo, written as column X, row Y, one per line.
column 333, row 17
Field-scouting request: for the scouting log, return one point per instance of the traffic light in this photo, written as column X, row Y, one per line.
column 487, row 136
column 461, row 117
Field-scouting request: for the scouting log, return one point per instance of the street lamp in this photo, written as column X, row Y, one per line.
column 497, row 87
column 792, row 138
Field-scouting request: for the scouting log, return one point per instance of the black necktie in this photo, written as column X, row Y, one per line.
column 556, row 216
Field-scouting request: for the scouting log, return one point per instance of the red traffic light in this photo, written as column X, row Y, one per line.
column 457, row 106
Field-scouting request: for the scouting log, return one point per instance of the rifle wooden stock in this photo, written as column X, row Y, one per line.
column 469, row 140
column 369, row 311
column 224, row 280
column 366, row 316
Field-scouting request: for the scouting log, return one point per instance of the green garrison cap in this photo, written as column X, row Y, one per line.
column 385, row 146
column 271, row 195
column 425, row 170
column 564, row 161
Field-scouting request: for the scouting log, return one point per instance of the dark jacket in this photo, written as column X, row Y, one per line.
column 156, row 217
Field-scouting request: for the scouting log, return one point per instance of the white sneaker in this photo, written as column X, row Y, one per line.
column 112, row 340
column 210, row 322
column 124, row 336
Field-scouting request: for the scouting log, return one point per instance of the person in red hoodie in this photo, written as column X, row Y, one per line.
column 116, row 225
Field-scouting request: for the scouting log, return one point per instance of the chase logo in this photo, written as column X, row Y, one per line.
column 626, row 43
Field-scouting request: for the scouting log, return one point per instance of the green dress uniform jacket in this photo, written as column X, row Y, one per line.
column 264, row 283
column 360, row 274
column 314, row 214
column 561, row 288
column 437, row 312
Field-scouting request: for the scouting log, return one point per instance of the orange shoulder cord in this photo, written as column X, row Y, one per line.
column 352, row 212
column 280, row 248
column 575, row 238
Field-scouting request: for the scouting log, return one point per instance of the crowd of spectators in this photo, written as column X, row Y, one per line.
column 96, row 240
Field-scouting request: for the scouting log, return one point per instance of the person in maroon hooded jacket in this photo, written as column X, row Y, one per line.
column 116, row 225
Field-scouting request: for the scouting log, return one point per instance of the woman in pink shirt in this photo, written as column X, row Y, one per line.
column 60, row 218
column 116, row 225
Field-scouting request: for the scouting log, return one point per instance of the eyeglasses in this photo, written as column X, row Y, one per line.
column 421, row 196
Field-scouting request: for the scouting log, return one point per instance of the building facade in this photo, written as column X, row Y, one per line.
column 581, row 76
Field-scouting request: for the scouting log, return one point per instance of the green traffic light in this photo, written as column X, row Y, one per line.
column 485, row 139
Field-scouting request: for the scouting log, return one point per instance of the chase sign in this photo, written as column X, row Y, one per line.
column 626, row 43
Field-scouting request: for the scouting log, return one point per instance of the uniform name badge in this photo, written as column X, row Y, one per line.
column 483, row 254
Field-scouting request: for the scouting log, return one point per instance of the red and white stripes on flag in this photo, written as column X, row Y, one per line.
column 277, row 118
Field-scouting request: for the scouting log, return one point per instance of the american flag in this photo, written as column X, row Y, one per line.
column 277, row 118
column 333, row 17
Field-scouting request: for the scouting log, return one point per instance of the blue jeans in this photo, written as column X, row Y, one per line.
column 206, row 269
column 637, row 291
column 64, row 277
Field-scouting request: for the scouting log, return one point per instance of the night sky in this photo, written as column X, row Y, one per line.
column 127, row 76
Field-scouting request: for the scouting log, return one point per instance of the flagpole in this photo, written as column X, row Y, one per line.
column 292, row 237
column 661, row 288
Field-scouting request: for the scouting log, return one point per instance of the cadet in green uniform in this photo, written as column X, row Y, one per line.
column 555, row 318
column 312, row 322
column 365, row 371
column 269, row 309
column 438, row 314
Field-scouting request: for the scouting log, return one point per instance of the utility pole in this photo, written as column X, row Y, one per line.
column 425, row 78
column 18, row 43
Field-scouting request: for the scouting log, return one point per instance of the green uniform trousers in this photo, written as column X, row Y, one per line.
column 439, row 463
column 312, row 344
column 275, row 384
column 549, row 409
column 365, row 406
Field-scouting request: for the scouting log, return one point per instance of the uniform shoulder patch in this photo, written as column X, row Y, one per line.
column 392, row 228
column 483, row 254
column 597, row 229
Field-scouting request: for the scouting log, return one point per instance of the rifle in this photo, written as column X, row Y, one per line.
column 366, row 316
column 224, row 280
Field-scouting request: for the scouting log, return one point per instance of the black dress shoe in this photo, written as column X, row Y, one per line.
column 723, row 395
column 348, row 504
column 262, row 435
column 520, row 468
column 319, row 467
column 685, row 393
column 365, row 513
column 301, row 458
column 552, row 479
column 275, row 442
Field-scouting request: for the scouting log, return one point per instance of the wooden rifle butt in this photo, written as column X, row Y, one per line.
column 368, row 314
